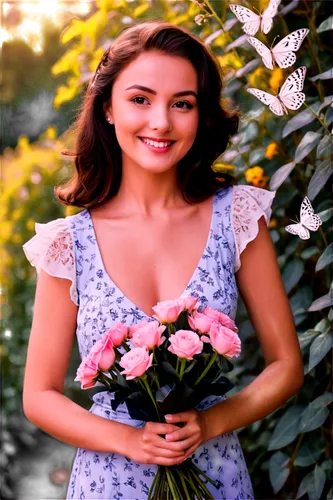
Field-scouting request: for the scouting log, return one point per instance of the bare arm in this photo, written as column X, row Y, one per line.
column 49, row 349
column 261, row 287
column 44, row 403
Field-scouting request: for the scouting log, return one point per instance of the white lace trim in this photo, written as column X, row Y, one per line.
column 249, row 203
column 52, row 250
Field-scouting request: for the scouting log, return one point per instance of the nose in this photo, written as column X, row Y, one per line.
column 160, row 119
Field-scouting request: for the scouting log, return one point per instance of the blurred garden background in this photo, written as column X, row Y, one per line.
column 50, row 50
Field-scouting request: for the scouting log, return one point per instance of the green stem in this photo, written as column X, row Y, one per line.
column 175, row 497
column 104, row 379
column 143, row 381
column 177, row 366
column 323, row 235
column 182, row 368
column 171, row 328
column 184, row 486
column 206, row 370
column 318, row 118
column 125, row 346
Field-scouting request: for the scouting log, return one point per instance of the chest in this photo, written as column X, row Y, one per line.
column 154, row 260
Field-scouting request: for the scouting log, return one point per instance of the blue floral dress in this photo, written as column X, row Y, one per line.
column 67, row 248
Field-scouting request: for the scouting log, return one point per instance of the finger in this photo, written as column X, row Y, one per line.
column 164, row 452
column 185, row 444
column 191, row 451
column 182, row 433
column 174, row 418
column 158, row 428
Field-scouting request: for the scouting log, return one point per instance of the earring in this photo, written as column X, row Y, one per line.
column 108, row 118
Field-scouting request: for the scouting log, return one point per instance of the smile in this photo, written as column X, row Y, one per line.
column 157, row 145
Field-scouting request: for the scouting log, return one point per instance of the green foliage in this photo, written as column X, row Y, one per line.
column 288, row 452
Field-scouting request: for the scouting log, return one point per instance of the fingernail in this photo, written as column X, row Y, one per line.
column 168, row 417
column 167, row 437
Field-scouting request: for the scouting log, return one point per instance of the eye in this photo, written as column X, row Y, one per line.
column 139, row 100
column 139, row 97
column 188, row 104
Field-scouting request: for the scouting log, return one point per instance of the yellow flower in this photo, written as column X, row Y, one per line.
column 30, row 224
column 272, row 223
column 276, row 79
column 259, row 78
column 230, row 60
column 17, row 239
column 255, row 176
column 271, row 150
column 223, row 168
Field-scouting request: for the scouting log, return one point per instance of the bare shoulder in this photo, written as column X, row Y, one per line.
column 262, row 289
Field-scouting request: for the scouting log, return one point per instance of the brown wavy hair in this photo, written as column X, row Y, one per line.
column 97, row 154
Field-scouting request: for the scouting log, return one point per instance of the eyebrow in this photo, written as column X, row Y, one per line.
column 150, row 91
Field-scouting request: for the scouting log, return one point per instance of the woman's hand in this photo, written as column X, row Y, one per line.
column 147, row 445
column 192, row 435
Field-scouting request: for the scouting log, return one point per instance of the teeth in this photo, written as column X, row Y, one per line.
column 156, row 144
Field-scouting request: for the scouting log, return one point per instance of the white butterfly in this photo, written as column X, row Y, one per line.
column 289, row 96
column 252, row 22
column 283, row 52
column 309, row 220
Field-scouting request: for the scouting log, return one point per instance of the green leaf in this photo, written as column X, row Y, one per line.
column 325, row 215
column 287, row 428
column 308, row 454
column 307, row 337
column 321, row 303
column 251, row 132
column 303, row 487
column 330, row 494
column 328, row 100
column 300, row 120
column 320, row 177
column 316, row 413
column 326, row 258
column 257, row 155
column 309, row 252
column 280, row 175
column 292, row 273
column 319, row 348
column 328, row 116
column 326, row 25
column 325, row 146
column 330, row 314
column 316, row 486
column 327, row 75
column 307, row 144
column 248, row 67
column 278, row 470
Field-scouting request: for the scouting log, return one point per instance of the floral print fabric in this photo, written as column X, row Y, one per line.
column 67, row 248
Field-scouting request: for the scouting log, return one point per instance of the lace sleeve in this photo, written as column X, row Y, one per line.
column 249, row 203
column 52, row 250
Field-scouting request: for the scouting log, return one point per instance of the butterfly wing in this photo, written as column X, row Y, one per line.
column 262, row 50
column 283, row 52
column 299, row 230
column 268, row 15
column 308, row 218
column 290, row 94
column 270, row 100
column 250, row 20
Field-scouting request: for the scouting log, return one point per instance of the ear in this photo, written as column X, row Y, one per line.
column 108, row 112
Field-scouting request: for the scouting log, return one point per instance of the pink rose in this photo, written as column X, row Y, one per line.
column 220, row 317
column 117, row 333
column 200, row 322
column 185, row 344
column 189, row 303
column 134, row 328
column 224, row 341
column 167, row 311
column 87, row 371
column 103, row 352
column 149, row 335
column 136, row 362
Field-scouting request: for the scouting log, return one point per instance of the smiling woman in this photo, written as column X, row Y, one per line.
column 157, row 225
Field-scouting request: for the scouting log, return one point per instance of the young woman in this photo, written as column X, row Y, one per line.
column 157, row 224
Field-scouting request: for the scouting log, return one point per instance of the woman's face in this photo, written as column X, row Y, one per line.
column 165, row 107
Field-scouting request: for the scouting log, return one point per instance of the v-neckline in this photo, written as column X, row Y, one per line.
column 99, row 255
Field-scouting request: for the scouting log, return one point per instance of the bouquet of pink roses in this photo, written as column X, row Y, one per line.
column 166, row 366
